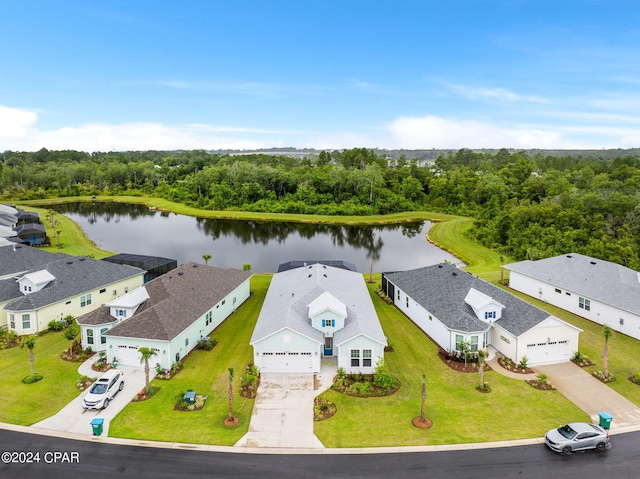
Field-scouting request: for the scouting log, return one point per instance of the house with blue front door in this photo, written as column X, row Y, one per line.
column 313, row 312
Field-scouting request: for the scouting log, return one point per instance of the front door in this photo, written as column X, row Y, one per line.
column 328, row 345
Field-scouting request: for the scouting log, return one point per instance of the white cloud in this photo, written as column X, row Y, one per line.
column 500, row 94
column 15, row 123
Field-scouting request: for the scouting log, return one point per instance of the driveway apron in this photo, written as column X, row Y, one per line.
column 590, row 394
column 73, row 418
column 283, row 413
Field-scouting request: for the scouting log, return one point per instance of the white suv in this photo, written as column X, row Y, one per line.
column 104, row 389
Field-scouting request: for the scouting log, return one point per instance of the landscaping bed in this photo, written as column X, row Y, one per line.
column 323, row 409
column 459, row 364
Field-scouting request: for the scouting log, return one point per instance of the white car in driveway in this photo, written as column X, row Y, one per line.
column 104, row 390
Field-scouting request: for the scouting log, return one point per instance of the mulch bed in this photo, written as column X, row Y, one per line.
column 143, row 396
column 417, row 422
column 542, row 385
column 323, row 409
column 460, row 366
column 169, row 373
column 634, row 380
column 583, row 363
column 509, row 365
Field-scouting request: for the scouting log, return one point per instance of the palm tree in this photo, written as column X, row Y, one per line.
column 206, row 257
column 424, row 397
column 607, row 332
column 29, row 343
column 145, row 355
column 231, row 376
column 482, row 355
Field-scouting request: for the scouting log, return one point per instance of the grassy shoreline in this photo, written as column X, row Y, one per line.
column 449, row 232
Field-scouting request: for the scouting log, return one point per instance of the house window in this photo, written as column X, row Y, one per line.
column 366, row 358
column 621, row 321
column 67, row 303
column 557, row 290
column 103, row 290
column 12, row 321
column 186, row 342
column 208, row 318
column 407, row 301
column 474, row 343
column 89, row 336
column 398, row 295
column 459, row 341
column 85, row 300
column 26, row 321
column 355, row 358
column 103, row 339
column 584, row 304
column 489, row 315
column 223, row 301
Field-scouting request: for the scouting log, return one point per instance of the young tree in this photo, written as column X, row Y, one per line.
column 206, row 257
column 230, row 396
column 145, row 355
column 482, row 355
column 70, row 334
column 246, row 267
column 28, row 343
column 424, row 397
column 607, row 332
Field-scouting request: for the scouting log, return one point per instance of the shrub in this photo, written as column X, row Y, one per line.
column 542, row 377
column 578, row 356
column 523, row 363
column 382, row 378
column 341, row 374
column 55, row 325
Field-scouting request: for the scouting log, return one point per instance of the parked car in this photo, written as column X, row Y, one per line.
column 577, row 436
column 104, row 389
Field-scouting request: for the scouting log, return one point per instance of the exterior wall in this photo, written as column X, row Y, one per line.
column 549, row 332
column 287, row 340
column 600, row 313
column 327, row 315
column 505, row 342
column 359, row 342
column 97, row 344
column 71, row 306
column 424, row 320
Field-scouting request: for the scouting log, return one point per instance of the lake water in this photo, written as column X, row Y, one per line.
column 135, row 229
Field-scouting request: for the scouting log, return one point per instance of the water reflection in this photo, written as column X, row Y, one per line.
column 137, row 229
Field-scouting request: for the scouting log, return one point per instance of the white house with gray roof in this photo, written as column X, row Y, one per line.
column 598, row 290
column 454, row 307
column 37, row 287
column 169, row 314
column 317, row 311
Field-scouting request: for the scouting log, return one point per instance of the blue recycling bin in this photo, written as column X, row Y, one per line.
column 605, row 420
column 97, row 425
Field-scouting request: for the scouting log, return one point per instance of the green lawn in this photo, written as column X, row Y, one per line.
column 460, row 414
column 206, row 372
column 27, row 404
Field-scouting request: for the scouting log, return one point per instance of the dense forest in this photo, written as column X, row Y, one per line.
column 526, row 204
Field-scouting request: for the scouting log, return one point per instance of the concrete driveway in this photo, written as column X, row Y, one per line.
column 73, row 417
column 590, row 394
column 283, row 410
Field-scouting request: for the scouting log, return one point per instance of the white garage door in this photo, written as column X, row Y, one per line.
column 127, row 355
column 286, row 363
column 551, row 352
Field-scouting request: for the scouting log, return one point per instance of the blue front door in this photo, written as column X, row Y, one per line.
column 328, row 346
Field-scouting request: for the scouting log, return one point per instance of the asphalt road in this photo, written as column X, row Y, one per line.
column 99, row 460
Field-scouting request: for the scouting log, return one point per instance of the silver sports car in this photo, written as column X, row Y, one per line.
column 577, row 436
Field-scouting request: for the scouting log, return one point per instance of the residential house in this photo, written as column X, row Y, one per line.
column 37, row 287
column 460, row 312
column 598, row 290
column 169, row 314
column 317, row 311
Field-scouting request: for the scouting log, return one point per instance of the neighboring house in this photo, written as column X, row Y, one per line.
column 456, row 309
column 598, row 290
column 169, row 314
column 37, row 286
column 317, row 311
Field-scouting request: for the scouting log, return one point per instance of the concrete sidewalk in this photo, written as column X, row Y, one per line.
column 74, row 419
column 590, row 394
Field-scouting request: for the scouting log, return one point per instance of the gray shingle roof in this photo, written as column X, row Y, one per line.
column 73, row 276
column 442, row 288
column 177, row 299
column 291, row 292
column 603, row 281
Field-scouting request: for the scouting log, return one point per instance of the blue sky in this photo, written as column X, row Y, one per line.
column 138, row 75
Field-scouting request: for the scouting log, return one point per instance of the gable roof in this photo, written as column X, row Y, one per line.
column 291, row 292
column 177, row 299
column 603, row 281
column 73, row 276
column 327, row 301
column 441, row 289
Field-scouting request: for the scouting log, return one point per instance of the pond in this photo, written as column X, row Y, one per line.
column 136, row 229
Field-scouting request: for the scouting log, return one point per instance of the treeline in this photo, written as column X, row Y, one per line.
column 526, row 205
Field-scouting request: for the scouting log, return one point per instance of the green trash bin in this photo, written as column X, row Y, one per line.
column 605, row 420
column 97, row 424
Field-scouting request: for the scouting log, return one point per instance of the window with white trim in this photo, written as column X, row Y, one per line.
column 355, row 358
column 89, row 336
column 12, row 321
column 85, row 300
column 584, row 304
column 26, row 321
column 103, row 338
column 459, row 341
column 366, row 358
